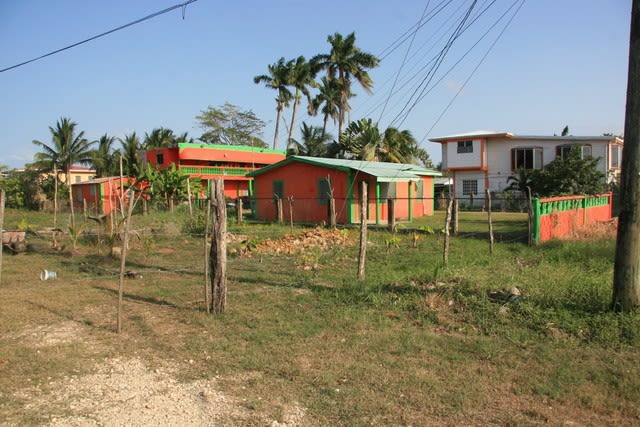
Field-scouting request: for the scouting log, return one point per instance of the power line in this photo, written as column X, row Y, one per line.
column 474, row 70
column 137, row 21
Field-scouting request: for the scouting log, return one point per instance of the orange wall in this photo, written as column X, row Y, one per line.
column 301, row 182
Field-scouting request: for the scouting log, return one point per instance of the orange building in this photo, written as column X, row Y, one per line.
column 304, row 184
column 212, row 161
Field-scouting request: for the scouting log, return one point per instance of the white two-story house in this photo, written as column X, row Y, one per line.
column 483, row 159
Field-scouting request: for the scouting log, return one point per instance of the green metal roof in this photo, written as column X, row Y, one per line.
column 230, row 147
column 383, row 171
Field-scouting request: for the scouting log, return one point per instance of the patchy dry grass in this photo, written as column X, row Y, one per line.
column 304, row 343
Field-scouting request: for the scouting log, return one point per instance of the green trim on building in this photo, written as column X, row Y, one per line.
column 245, row 148
column 350, row 184
column 378, row 204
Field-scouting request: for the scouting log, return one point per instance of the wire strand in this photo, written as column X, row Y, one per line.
column 137, row 21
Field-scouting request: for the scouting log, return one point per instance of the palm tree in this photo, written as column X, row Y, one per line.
column 103, row 158
column 315, row 142
column 329, row 99
column 66, row 149
column 300, row 77
column 362, row 140
column 398, row 147
column 158, row 138
column 131, row 148
column 343, row 63
column 277, row 79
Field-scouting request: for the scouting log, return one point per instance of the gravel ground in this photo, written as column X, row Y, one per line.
column 126, row 392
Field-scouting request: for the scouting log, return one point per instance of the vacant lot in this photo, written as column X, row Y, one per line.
column 522, row 337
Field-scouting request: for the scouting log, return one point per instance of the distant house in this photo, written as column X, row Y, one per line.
column 306, row 182
column 78, row 174
column 100, row 195
column 211, row 161
column 483, row 160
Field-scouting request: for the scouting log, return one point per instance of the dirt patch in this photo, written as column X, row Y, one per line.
column 129, row 393
column 50, row 335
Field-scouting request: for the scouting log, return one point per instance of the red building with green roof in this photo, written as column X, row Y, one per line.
column 303, row 183
column 212, row 161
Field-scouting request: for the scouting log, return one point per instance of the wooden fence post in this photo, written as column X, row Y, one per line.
column 239, row 212
column 332, row 206
column 279, row 211
column 490, row 221
column 218, row 257
column 123, row 257
column 455, row 213
column 391, row 214
column 290, row 200
column 447, row 226
column 363, row 230
column 189, row 197
column 206, row 255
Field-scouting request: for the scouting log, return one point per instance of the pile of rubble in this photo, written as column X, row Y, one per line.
column 292, row 243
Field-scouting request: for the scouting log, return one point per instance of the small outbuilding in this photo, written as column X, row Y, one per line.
column 305, row 185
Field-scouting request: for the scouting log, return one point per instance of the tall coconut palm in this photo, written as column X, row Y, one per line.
column 361, row 140
column 344, row 63
column 277, row 79
column 66, row 149
column 103, row 158
column 328, row 98
column 300, row 78
column 158, row 138
column 131, row 148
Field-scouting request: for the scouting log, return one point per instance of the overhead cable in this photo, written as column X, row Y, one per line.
column 137, row 21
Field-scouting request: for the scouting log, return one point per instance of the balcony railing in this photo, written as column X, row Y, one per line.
column 195, row 170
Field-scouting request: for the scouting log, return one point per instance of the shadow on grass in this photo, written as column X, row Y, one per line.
column 138, row 298
column 67, row 315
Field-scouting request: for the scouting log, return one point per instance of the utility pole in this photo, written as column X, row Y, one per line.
column 626, row 274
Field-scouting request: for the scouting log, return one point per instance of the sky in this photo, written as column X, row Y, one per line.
column 529, row 67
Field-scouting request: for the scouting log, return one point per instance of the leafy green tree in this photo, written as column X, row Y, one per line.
column 571, row 175
column 170, row 184
column 327, row 101
column 66, row 149
column 300, row 77
column 104, row 159
column 131, row 151
column 277, row 79
column 315, row 142
column 344, row 63
column 232, row 126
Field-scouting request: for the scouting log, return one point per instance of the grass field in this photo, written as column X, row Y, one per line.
column 303, row 342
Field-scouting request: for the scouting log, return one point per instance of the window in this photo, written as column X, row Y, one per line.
column 469, row 186
column 324, row 191
column 526, row 158
column 387, row 190
column 159, row 158
column 465, row 147
column 278, row 189
column 92, row 190
column 78, row 178
column 616, row 156
column 563, row 151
